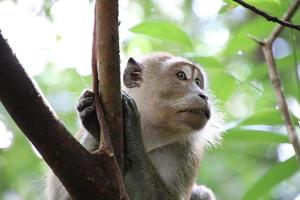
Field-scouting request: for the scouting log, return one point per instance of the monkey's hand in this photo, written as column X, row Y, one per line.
column 201, row 192
column 87, row 113
column 132, row 127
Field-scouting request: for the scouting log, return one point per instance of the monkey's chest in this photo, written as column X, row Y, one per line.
column 176, row 166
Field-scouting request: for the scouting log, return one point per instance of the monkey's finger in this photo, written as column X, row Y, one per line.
column 130, row 110
column 129, row 121
column 125, row 100
column 88, row 111
column 127, row 110
column 84, row 102
column 132, row 125
column 87, row 93
column 134, row 110
column 125, row 106
column 130, row 102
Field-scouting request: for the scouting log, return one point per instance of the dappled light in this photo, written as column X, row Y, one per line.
column 254, row 160
column 281, row 48
column 6, row 136
column 285, row 151
column 207, row 9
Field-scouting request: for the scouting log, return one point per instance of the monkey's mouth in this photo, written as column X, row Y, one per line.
column 199, row 111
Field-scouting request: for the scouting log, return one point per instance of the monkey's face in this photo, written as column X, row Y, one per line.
column 180, row 96
column 170, row 93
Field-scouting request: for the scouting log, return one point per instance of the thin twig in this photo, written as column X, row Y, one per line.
column 106, row 147
column 295, row 57
column 267, row 16
column 287, row 17
column 255, row 39
column 276, row 81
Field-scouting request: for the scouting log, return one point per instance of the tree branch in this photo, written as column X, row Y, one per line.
column 105, row 140
column 276, row 81
column 109, row 71
column 106, row 149
column 281, row 100
column 91, row 180
column 267, row 16
column 39, row 123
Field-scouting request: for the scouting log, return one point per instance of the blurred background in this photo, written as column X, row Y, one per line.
column 52, row 39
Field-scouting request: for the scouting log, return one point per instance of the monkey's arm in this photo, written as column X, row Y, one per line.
column 54, row 188
column 201, row 192
column 141, row 178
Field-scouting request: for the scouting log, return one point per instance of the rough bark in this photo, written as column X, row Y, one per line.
column 39, row 123
column 106, row 148
column 60, row 150
column 276, row 80
column 109, row 71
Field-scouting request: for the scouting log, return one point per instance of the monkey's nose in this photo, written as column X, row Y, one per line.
column 202, row 96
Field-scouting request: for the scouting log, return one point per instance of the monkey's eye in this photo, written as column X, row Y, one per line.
column 198, row 82
column 181, row 75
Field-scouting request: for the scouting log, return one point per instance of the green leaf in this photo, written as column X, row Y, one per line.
column 163, row 30
column 229, row 6
column 285, row 64
column 222, row 84
column 241, row 40
column 244, row 135
column 208, row 62
column 47, row 9
column 273, row 7
column 267, row 117
column 274, row 176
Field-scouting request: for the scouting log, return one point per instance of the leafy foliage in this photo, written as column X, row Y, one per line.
column 249, row 164
column 275, row 175
column 164, row 31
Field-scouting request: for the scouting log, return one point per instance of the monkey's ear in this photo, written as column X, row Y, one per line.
column 133, row 74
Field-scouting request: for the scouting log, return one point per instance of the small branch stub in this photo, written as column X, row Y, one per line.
column 106, row 76
column 281, row 100
column 109, row 72
column 266, row 45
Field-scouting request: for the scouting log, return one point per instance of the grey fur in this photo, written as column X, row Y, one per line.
column 161, row 163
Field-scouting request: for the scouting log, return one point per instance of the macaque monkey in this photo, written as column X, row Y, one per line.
column 169, row 120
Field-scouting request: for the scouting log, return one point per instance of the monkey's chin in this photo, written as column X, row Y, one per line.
column 193, row 121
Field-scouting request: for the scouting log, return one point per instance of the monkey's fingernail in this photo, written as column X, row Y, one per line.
column 88, row 93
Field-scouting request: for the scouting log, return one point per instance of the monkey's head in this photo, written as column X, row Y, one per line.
column 170, row 93
column 172, row 98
